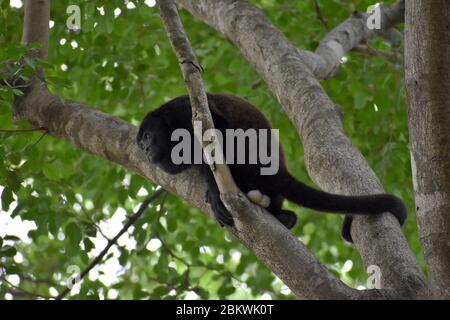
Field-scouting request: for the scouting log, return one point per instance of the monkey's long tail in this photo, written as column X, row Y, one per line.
column 308, row 197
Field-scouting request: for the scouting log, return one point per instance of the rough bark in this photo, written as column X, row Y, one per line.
column 350, row 33
column 35, row 27
column 331, row 159
column 427, row 56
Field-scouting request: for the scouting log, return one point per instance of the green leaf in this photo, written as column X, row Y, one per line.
column 171, row 224
column 226, row 290
column 73, row 233
column 138, row 293
column 11, row 238
column 5, row 106
column 84, row 257
column 51, row 171
column 88, row 245
column 13, row 181
column 7, row 198
column 13, row 269
column 7, row 251
column 159, row 292
column 18, row 92
column 202, row 293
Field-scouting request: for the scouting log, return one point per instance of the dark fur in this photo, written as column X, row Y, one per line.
column 230, row 112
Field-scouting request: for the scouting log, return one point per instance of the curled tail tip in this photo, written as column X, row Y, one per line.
column 399, row 209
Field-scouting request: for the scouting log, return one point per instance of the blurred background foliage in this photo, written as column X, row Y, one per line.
column 56, row 199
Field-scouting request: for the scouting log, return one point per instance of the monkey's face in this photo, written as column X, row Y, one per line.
column 152, row 138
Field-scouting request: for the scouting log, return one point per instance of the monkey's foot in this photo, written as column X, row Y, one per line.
column 287, row 218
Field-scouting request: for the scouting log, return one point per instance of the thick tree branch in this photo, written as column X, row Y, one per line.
column 332, row 161
column 35, row 25
column 352, row 31
column 427, row 76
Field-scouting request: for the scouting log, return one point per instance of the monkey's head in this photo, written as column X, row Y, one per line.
column 152, row 137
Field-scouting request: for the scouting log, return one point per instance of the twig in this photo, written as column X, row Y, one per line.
column 320, row 15
column 23, row 130
column 35, row 143
column 374, row 52
column 39, row 140
column 23, row 291
column 113, row 241
column 160, row 211
column 96, row 226
column 169, row 251
column 256, row 84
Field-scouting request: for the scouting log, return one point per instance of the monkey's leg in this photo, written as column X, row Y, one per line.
column 213, row 198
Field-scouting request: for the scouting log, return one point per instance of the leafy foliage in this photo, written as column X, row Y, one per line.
column 124, row 65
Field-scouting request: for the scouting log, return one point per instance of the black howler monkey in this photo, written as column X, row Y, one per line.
column 231, row 112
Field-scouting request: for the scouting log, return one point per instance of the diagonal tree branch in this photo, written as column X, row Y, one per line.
column 332, row 160
column 131, row 220
column 352, row 31
column 191, row 70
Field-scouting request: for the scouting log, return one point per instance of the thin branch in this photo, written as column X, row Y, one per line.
column 158, row 216
column 364, row 48
column 319, row 15
column 392, row 58
column 38, row 140
column 92, row 222
column 14, row 131
column 37, row 282
column 113, row 241
column 192, row 70
column 256, row 84
column 23, row 291
column 167, row 248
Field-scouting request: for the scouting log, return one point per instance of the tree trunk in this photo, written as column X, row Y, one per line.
column 427, row 59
